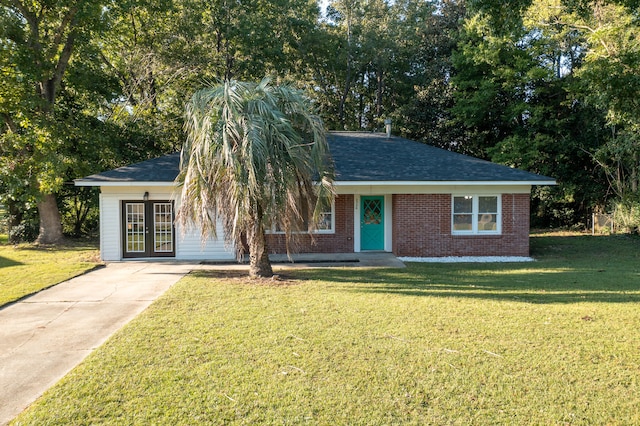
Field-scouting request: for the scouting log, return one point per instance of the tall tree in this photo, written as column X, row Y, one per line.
column 252, row 154
column 163, row 50
column 426, row 115
column 516, row 100
column 610, row 79
column 374, row 66
column 39, row 40
column 230, row 39
column 145, row 49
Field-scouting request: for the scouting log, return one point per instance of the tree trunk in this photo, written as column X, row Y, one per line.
column 50, row 222
column 634, row 174
column 259, row 264
column 14, row 220
column 347, row 83
column 379, row 90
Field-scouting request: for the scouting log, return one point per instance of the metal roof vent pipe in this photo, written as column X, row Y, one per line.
column 387, row 126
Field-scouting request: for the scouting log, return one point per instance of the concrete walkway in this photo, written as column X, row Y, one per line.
column 46, row 335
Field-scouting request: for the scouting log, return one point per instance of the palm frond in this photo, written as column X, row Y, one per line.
column 253, row 152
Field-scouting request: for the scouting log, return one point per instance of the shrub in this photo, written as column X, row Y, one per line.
column 626, row 214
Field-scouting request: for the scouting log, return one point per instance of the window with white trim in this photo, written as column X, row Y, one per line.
column 326, row 220
column 476, row 214
column 326, row 223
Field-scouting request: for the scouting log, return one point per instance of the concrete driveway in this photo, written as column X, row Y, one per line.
column 44, row 336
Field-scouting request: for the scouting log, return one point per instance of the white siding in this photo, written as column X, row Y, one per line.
column 188, row 246
column 110, row 235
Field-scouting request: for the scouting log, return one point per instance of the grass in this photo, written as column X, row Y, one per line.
column 27, row 269
column 550, row 342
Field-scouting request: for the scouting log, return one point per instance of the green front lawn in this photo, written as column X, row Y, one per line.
column 27, row 269
column 549, row 342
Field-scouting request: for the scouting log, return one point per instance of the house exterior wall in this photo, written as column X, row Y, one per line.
column 188, row 244
column 341, row 241
column 422, row 228
column 421, row 225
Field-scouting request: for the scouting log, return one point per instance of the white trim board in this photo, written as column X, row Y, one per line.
column 424, row 184
column 430, row 189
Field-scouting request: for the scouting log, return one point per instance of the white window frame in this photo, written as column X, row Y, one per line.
column 332, row 230
column 475, row 213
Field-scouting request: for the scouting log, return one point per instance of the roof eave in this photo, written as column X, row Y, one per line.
column 447, row 183
column 84, row 182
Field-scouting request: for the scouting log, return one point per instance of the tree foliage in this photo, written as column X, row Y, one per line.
column 551, row 86
column 51, row 80
column 252, row 154
column 374, row 65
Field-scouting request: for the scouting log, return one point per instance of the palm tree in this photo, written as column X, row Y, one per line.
column 255, row 156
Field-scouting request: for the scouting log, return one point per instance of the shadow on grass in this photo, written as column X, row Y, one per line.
column 5, row 263
column 569, row 269
column 511, row 283
column 67, row 246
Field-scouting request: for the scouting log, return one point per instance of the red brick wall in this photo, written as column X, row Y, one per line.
column 339, row 242
column 422, row 228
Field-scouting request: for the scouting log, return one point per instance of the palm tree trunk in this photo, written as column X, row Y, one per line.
column 259, row 264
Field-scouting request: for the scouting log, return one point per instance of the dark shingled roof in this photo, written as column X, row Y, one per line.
column 359, row 157
column 374, row 157
column 161, row 169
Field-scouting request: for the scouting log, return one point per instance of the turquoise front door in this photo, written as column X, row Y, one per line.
column 372, row 223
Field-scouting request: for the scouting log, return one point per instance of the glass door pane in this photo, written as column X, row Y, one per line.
column 163, row 227
column 135, row 241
